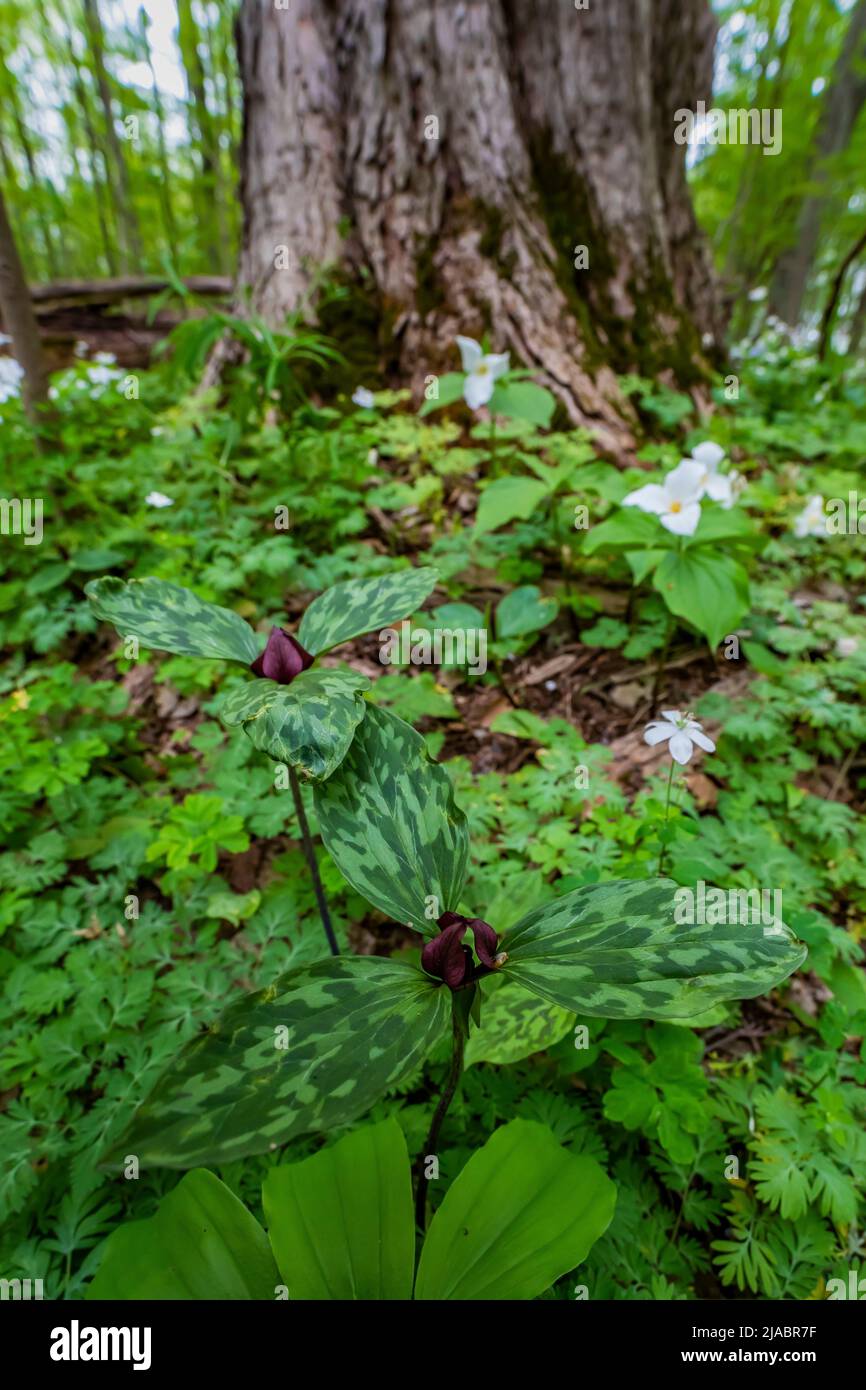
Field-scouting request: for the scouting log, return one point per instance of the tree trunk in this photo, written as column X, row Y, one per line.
column 125, row 210
column 844, row 100
column 457, row 156
column 211, row 192
column 19, row 319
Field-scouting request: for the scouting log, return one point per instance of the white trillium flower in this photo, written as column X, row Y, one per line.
column 676, row 501
column 812, row 520
column 683, row 733
column 158, row 499
column 720, row 487
column 482, row 370
column 364, row 398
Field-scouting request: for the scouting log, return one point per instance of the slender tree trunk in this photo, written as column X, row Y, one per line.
column 95, row 156
column 127, row 219
column 164, row 169
column 19, row 319
column 844, row 100
column 212, row 191
column 498, row 166
column 858, row 323
column 10, row 94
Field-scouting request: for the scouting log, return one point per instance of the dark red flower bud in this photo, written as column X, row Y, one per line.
column 282, row 659
column 447, row 958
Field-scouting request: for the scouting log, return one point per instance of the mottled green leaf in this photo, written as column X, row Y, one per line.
column 168, row 618
column 390, row 822
column 308, row 724
column 523, row 1212
column 312, row 1051
column 614, row 950
column 514, row 1023
column 341, row 1223
column 202, row 1244
column 363, row 605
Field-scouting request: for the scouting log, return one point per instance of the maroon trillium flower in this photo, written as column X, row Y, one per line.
column 446, row 956
column 282, row 659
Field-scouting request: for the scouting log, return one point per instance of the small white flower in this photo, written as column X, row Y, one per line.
column 676, row 500
column 757, row 294
column 482, row 370
column 81, row 349
column 11, row 376
column 105, row 359
column 716, row 485
column 101, row 375
column 812, row 520
column 364, row 398
column 159, row 499
column 683, row 733
column 846, row 646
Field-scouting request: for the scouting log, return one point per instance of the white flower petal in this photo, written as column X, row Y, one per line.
column 477, row 389
column 497, row 363
column 470, row 352
column 697, row 736
column 709, row 454
column 685, row 483
column 673, row 715
column 685, row 521
column 720, row 488
column 650, row 498
column 681, row 747
column 657, row 733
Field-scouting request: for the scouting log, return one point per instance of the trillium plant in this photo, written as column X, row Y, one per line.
column 681, row 733
column 488, row 380
column 686, row 535
column 320, row 1045
column 301, row 717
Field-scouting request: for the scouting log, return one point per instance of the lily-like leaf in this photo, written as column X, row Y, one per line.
column 170, row 618
column 201, row 1244
column 314, row 1050
column 362, row 605
column 308, row 724
column 341, row 1222
column 514, row 1023
column 614, row 950
column 390, row 822
column 523, row 1212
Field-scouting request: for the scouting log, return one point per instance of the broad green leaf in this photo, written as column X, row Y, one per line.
column 514, row 1024
column 450, row 389
column 168, row 618
column 456, row 615
column 363, row 605
column 523, row 400
column 341, row 1223
column 627, row 529
column 308, row 724
column 707, row 588
column 524, row 610
column 390, row 823
column 614, row 950
column 202, row 1244
column 523, row 1212
column 505, row 500
column 312, row 1051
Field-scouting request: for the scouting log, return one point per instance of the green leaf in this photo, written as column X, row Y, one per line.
column 312, row 1051
column 522, row 1213
column 308, row 724
column 167, row 617
column 524, row 610
column 508, row 498
column 450, row 389
column 341, row 1223
column 614, row 950
column 363, row 605
column 707, row 588
column 523, row 400
column 627, row 529
column 390, row 823
column 514, row 1024
column 201, row 1244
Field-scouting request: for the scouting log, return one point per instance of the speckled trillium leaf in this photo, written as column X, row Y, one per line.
column 514, row 1023
column 363, row 605
column 390, row 822
column 314, row 1050
column 308, row 724
column 614, row 950
column 169, row 618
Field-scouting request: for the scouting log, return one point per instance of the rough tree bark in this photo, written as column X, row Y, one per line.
column 842, row 105
column 456, row 153
column 20, row 320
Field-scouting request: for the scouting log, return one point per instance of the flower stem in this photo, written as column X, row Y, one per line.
column 454, row 1074
column 665, row 824
column 310, row 856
